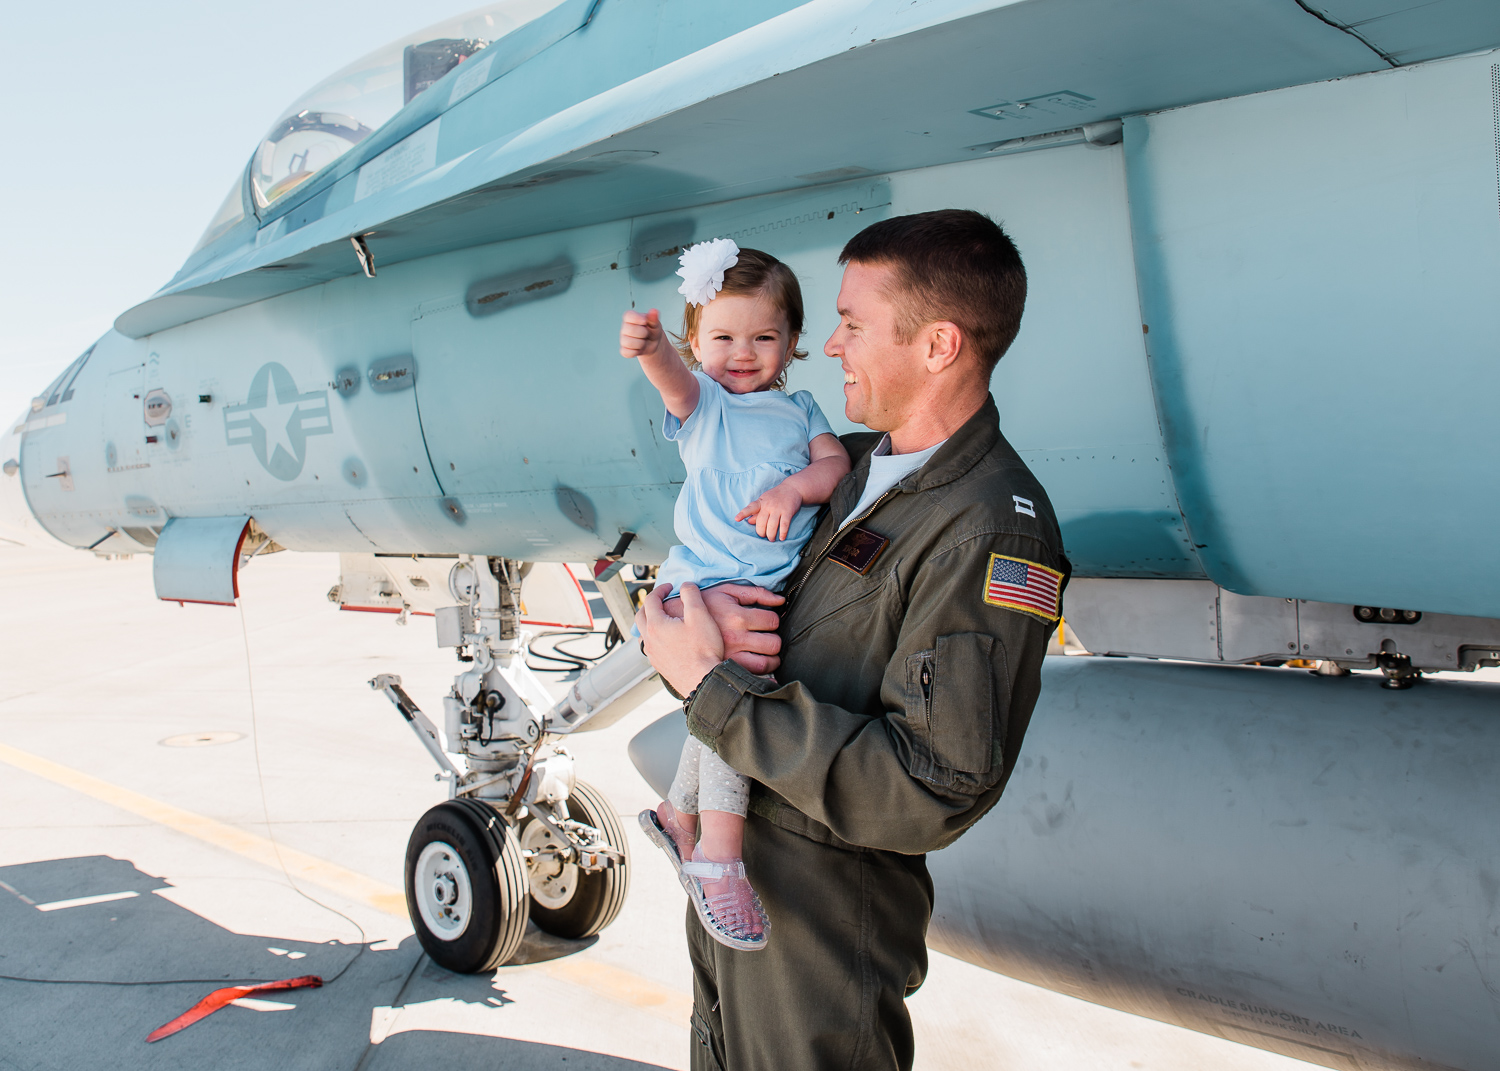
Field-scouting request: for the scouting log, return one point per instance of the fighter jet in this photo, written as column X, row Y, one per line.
column 1255, row 375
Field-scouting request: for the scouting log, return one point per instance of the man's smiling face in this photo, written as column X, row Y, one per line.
column 883, row 377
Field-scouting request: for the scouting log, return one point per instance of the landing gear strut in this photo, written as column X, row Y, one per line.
column 521, row 837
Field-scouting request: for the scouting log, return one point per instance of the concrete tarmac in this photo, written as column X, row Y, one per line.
column 199, row 796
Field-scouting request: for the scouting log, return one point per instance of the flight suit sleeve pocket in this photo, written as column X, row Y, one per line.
column 954, row 711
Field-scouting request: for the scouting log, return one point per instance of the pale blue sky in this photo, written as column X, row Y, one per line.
column 125, row 126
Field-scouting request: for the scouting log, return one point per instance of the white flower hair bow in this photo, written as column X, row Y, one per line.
column 703, row 268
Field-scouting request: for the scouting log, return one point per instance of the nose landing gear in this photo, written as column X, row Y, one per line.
column 521, row 836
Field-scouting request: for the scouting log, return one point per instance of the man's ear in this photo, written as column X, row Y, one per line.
column 945, row 341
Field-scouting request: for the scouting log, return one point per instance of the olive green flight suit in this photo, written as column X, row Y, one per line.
column 908, row 691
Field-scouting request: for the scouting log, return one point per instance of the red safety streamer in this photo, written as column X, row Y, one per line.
column 220, row 997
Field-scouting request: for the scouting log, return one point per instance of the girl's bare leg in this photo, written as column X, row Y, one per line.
column 680, row 826
column 723, row 836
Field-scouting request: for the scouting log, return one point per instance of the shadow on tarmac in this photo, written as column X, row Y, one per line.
column 139, row 935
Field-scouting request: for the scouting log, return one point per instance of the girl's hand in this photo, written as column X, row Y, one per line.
column 773, row 511
column 640, row 334
column 642, row 339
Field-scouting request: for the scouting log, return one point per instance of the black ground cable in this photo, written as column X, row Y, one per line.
column 364, row 938
column 569, row 660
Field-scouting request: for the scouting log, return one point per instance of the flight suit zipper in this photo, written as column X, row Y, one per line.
column 831, row 540
column 925, row 679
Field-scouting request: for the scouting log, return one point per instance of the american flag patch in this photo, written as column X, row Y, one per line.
column 1018, row 584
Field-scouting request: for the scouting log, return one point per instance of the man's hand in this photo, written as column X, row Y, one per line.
column 774, row 511
column 682, row 650
column 641, row 334
column 749, row 632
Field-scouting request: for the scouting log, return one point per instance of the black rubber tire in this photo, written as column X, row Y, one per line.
column 497, row 874
column 597, row 897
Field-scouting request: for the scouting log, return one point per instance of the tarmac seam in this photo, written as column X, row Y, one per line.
column 370, row 1044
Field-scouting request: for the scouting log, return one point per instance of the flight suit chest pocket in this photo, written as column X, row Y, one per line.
column 956, row 702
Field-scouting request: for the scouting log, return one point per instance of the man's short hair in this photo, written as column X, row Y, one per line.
column 954, row 264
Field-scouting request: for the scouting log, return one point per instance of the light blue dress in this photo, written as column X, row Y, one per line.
column 737, row 447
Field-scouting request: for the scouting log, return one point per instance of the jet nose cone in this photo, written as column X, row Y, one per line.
column 18, row 525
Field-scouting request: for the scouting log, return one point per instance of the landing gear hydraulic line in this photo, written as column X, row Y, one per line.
column 520, row 836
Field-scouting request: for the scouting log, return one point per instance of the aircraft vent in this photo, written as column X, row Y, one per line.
column 146, row 537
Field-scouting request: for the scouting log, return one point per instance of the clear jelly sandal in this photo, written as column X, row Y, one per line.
column 665, row 835
column 733, row 916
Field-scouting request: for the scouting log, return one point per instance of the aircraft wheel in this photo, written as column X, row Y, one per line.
column 466, row 887
column 566, row 901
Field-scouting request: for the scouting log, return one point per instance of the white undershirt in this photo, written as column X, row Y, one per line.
column 886, row 471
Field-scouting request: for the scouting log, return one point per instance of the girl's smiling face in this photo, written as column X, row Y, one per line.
column 743, row 342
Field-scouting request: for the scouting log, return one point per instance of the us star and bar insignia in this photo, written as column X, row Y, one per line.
column 858, row 549
column 1017, row 584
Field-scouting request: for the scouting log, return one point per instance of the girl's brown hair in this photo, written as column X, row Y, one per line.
column 754, row 273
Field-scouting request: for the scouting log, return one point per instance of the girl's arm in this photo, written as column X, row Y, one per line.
column 773, row 511
column 642, row 338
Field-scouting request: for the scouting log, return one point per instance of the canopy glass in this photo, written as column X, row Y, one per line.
column 348, row 106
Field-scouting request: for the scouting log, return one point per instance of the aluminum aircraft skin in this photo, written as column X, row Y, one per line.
column 1256, row 375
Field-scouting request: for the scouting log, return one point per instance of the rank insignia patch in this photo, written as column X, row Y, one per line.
column 1017, row 584
column 858, row 549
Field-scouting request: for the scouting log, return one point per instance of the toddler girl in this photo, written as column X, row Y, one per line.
column 758, row 464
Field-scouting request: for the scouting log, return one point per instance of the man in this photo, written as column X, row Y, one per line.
column 913, row 634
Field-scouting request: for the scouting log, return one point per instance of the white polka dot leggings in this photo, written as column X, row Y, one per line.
column 705, row 782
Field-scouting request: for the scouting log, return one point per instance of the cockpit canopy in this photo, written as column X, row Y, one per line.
column 348, row 106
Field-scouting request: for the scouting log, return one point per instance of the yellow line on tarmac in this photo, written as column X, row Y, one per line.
column 627, row 987
column 299, row 865
column 605, row 980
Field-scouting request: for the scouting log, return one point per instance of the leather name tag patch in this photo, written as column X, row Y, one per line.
column 858, row 548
